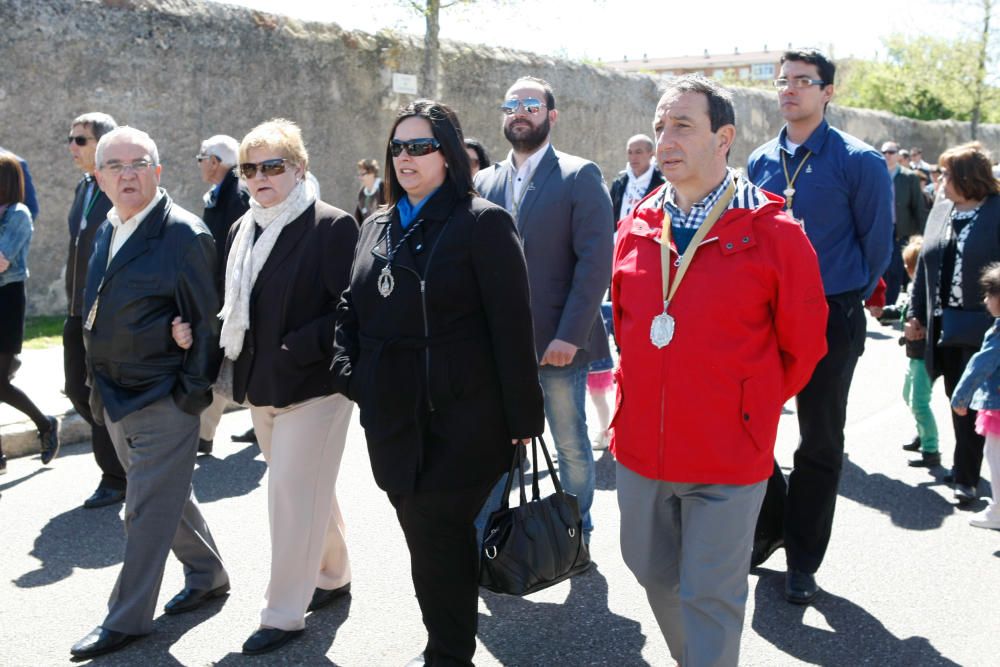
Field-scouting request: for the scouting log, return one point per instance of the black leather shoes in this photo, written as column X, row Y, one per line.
column 99, row 642
column 204, row 446
column 249, row 436
column 103, row 497
column 265, row 640
column 49, row 439
column 913, row 445
column 323, row 596
column 190, row 599
column 926, row 460
column 763, row 547
column 800, row 587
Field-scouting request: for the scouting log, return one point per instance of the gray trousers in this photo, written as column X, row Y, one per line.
column 157, row 446
column 689, row 547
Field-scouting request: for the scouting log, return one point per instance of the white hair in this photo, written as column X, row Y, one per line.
column 223, row 147
column 137, row 137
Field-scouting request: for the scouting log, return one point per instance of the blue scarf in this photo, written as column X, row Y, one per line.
column 408, row 212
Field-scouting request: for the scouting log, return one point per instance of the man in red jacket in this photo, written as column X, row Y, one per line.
column 708, row 358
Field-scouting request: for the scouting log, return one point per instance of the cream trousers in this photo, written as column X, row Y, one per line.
column 303, row 445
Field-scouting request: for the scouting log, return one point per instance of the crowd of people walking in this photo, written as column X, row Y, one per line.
column 463, row 304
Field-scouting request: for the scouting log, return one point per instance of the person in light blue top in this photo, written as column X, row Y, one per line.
column 15, row 240
column 979, row 389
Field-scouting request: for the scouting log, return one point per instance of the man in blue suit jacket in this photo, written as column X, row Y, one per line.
column 563, row 214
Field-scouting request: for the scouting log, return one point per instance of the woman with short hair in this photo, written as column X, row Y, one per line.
column 287, row 261
column 961, row 238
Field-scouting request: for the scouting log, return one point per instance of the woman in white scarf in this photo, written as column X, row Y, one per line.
column 288, row 260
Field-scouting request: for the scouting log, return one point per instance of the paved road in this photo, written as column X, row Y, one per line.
column 906, row 582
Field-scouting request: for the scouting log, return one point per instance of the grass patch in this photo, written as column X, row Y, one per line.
column 43, row 331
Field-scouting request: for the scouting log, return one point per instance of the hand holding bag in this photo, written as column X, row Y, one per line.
column 536, row 544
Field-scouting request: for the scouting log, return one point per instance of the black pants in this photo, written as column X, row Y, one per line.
column 895, row 276
column 968, row 443
column 802, row 510
column 75, row 369
column 444, row 563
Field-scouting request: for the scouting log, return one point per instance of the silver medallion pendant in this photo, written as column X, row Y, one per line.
column 386, row 282
column 789, row 193
column 662, row 330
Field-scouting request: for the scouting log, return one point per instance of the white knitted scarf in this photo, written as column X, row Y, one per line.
column 246, row 258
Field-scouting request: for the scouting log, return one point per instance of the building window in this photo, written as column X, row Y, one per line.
column 763, row 71
column 718, row 73
column 744, row 72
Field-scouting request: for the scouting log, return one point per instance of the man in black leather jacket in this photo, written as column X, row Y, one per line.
column 152, row 262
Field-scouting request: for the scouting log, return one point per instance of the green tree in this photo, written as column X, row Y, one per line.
column 923, row 77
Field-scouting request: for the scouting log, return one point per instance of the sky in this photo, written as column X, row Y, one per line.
column 605, row 30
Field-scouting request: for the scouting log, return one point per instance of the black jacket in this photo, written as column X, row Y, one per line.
column 982, row 247
column 230, row 204
column 618, row 190
column 294, row 303
column 444, row 368
column 81, row 243
column 161, row 271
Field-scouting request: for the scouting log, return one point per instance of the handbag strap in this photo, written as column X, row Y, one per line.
column 548, row 463
column 516, row 462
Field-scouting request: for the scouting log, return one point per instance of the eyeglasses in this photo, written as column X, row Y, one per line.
column 798, row 82
column 889, row 152
column 414, row 147
column 79, row 139
column 531, row 106
column 202, row 156
column 274, row 167
column 118, row 168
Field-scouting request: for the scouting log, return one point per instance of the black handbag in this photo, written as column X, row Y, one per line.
column 963, row 328
column 536, row 544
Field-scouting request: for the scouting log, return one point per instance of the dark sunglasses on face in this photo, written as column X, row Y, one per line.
column 889, row 152
column 267, row 167
column 414, row 147
column 78, row 139
column 531, row 106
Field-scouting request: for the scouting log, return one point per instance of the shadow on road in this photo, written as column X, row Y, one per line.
column 604, row 469
column 79, row 538
column 309, row 649
column 910, row 507
column 854, row 636
column 521, row 632
column 21, row 480
column 236, row 475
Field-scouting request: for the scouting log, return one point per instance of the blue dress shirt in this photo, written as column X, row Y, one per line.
column 843, row 197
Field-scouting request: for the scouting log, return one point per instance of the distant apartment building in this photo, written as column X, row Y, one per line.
column 753, row 66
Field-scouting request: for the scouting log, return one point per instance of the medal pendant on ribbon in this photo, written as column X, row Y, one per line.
column 386, row 282
column 789, row 193
column 662, row 330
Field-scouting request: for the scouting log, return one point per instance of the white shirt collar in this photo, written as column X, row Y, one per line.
column 532, row 161
column 134, row 221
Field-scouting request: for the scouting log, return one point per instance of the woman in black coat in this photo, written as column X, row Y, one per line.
column 961, row 238
column 436, row 348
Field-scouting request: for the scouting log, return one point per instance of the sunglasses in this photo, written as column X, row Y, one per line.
column 531, row 106
column 889, row 152
column 268, row 167
column 78, row 139
column 201, row 157
column 414, row 147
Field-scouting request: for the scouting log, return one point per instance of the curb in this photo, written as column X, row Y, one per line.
column 21, row 438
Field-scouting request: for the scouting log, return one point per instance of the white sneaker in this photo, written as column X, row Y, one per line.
column 602, row 440
column 983, row 520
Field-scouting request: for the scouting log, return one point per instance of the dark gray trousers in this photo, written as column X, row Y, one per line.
column 157, row 446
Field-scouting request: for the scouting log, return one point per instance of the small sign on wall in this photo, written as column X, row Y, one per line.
column 404, row 83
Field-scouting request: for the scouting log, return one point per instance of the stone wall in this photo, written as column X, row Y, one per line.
column 184, row 70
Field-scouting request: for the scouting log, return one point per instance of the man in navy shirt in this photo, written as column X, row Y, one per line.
column 838, row 188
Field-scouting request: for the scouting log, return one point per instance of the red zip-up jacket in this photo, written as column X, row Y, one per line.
column 750, row 327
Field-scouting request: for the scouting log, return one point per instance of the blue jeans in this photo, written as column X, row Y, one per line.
column 565, row 391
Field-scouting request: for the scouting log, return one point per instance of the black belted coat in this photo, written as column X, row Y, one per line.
column 443, row 368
